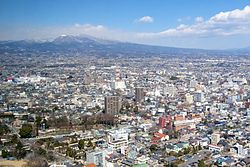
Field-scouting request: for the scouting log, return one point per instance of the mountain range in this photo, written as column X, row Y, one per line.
column 87, row 45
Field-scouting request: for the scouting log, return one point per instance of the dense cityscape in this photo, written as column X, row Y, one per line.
column 150, row 111
column 124, row 83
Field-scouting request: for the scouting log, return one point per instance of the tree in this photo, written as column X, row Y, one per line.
column 172, row 153
column 5, row 153
column 180, row 153
column 127, row 106
column 187, row 150
column 60, row 122
column 14, row 139
column 19, row 152
column 171, row 165
column 38, row 120
column 81, row 144
column 42, row 152
column 153, row 148
column 136, row 110
column 38, row 124
column 56, row 108
column 199, row 147
column 148, row 100
column 71, row 152
column 26, row 131
column 90, row 144
column 4, row 129
column 201, row 163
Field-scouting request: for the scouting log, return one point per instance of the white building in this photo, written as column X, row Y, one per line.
column 118, row 139
column 118, row 84
column 212, row 147
column 239, row 150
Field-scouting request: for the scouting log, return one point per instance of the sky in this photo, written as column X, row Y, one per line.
column 209, row 24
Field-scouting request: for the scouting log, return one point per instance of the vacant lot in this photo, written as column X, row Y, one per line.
column 9, row 163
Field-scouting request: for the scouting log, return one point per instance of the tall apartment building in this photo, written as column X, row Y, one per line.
column 139, row 94
column 112, row 104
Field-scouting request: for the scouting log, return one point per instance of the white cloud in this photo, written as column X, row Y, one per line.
column 146, row 19
column 234, row 15
column 224, row 23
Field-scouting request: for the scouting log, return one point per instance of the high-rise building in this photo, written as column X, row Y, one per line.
column 139, row 94
column 112, row 104
column 97, row 157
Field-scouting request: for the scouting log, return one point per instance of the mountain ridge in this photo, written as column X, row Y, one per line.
column 96, row 46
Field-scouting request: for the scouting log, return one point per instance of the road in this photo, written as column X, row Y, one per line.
column 14, row 130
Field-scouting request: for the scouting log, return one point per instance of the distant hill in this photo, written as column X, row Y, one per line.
column 86, row 45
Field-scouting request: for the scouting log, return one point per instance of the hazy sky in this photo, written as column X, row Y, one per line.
column 215, row 24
